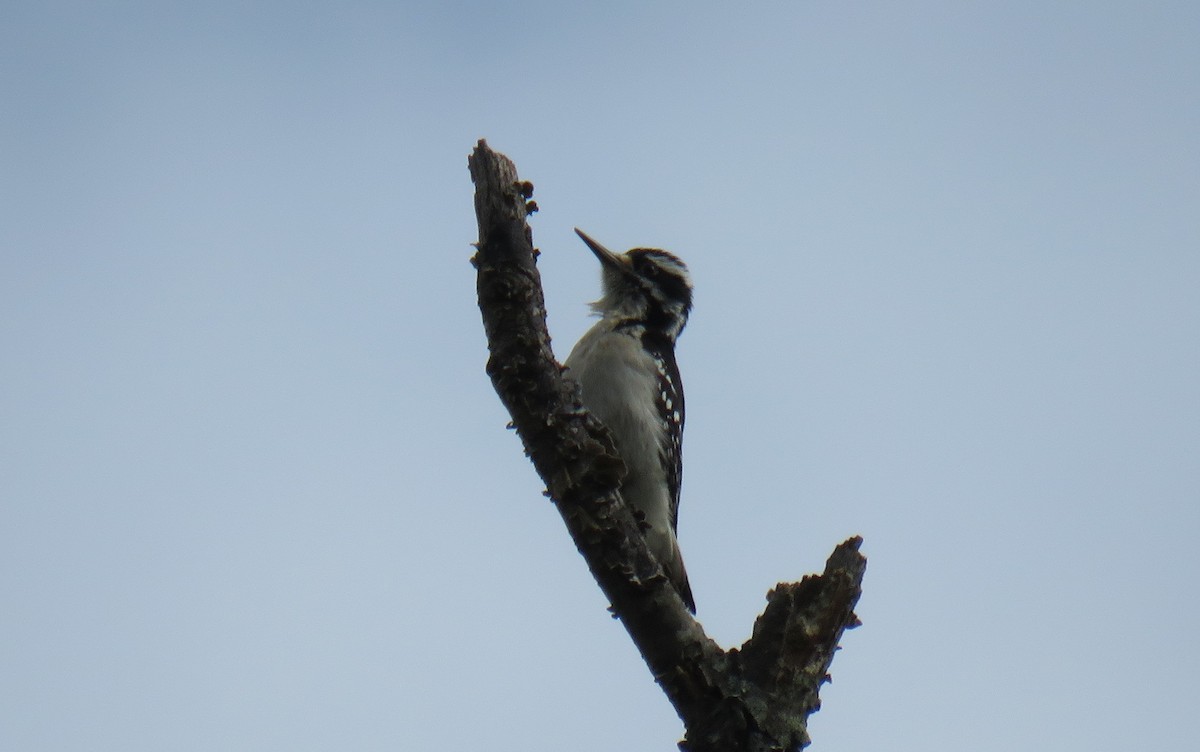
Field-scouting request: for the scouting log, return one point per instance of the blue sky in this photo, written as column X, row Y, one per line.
column 256, row 491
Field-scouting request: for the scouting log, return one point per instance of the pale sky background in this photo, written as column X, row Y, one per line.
column 255, row 488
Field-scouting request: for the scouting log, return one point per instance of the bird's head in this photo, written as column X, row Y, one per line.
column 644, row 286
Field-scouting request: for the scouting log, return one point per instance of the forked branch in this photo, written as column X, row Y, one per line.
column 757, row 697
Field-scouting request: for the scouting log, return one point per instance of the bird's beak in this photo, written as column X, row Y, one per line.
column 607, row 258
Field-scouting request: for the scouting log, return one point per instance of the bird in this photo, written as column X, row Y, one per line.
column 628, row 377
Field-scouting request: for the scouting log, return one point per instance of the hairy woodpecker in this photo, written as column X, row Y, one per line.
column 625, row 366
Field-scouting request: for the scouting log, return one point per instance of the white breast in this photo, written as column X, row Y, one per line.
column 620, row 386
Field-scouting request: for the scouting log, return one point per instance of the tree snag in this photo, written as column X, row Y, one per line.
column 754, row 698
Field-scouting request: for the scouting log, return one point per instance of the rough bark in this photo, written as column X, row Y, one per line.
column 757, row 697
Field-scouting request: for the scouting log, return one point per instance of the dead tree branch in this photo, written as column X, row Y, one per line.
column 757, row 697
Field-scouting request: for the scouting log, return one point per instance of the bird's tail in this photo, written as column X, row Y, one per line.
column 677, row 574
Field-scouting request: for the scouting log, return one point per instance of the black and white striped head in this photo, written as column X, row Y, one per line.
column 644, row 286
